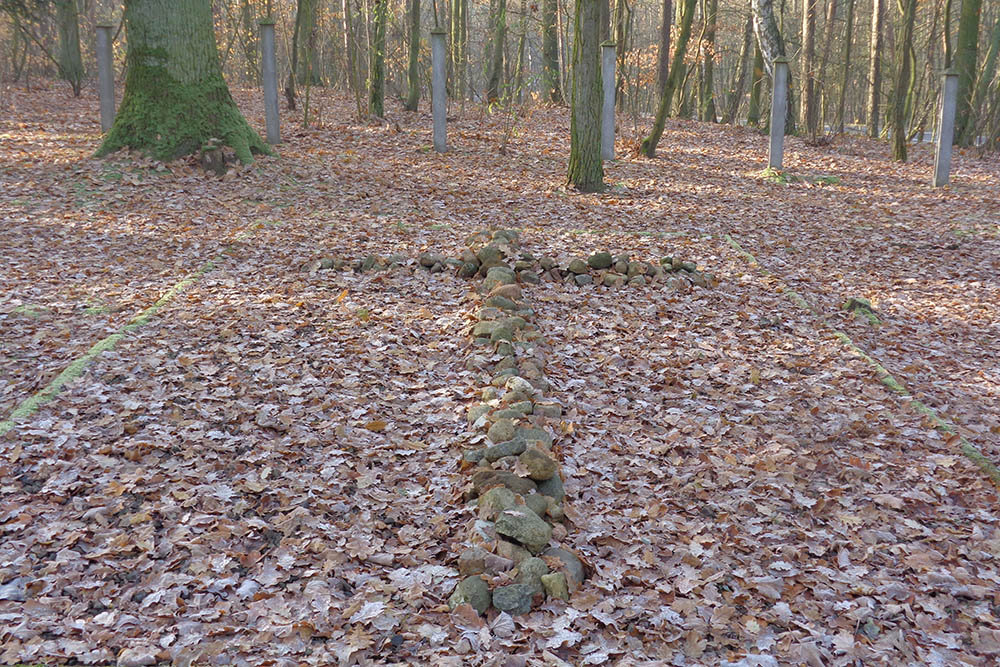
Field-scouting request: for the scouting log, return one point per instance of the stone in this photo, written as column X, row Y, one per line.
column 554, row 509
column 483, row 532
column 555, row 585
column 490, row 394
column 512, row 552
column 469, row 257
column 498, row 275
column 502, row 449
column 637, row 281
column 547, row 409
column 537, row 503
column 489, row 255
column 437, row 268
column 473, row 455
column 507, row 413
column 326, row 263
column 540, row 466
column 476, row 411
column 489, row 313
column 504, row 364
column 636, row 269
column 522, row 265
column 501, row 302
column 472, row 561
column 518, row 389
column 690, row 267
column 529, row 369
column 569, row 564
column 494, row 501
column 453, row 263
column 429, row 259
column 515, row 322
column 501, row 431
column 621, row 267
column 600, row 260
column 486, row 479
column 508, row 290
column 508, row 235
column 472, row 590
column 583, row 279
column 547, row 263
column 524, row 407
column 553, row 488
column 468, row 270
column 624, row 257
column 485, row 328
column 524, row 526
column 530, row 572
column 534, row 435
column 505, row 349
column 515, row 599
column 676, row 263
column 612, row 280
column 530, row 277
column 698, row 279
column 502, row 333
column 496, row 564
column 577, row 266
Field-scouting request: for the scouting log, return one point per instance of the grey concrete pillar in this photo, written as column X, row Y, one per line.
column 779, row 104
column 439, row 100
column 269, row 75
column 608, row 109
column 105, row 76
column 946, row 128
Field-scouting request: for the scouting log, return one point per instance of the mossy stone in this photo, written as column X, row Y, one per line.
column 577, row 266
column 474, row 591
column 600, row 260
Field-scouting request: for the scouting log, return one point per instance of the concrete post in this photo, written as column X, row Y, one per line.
column 105, row 76
column 946, row 129
column 608, row 110
column 779, row 104
column 270, row 81
column 439, row 101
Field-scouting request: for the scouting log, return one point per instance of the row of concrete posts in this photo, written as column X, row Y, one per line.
column 439, row 103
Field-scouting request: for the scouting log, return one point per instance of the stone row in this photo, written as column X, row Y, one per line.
column 511, row 558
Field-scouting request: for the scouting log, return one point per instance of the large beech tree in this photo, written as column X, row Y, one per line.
column 586, row 170
column 175, row 97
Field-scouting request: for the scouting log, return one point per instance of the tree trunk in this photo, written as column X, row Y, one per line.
column 772, row 46
column 648, row 147
column 756, row 84
column 551, row 89
column 498, row 38
column 175, row 97
column 987, row 72
column 70, row 61
column 809, row 117
column 586, row 170
column 522, row 39
column 663, row 58
column 875, row 68
column 376, row 84
column 706, row 93
column 903, row 81
column 821, row 88
column 413, row 70
column 739, row 81
column 459, row 47
column 966, row 55
column 845, row 75
column 605, row 20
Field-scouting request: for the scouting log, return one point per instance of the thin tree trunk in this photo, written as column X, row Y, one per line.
column 809, row 117
column 903, row 81
column 875, row 68
column 521, row 43
column 376, row 69
column 586, row 169
column 756, row 84
column 706, row 93
column 413, row 69
column 772, row 46
column 846, row 71
column 551, row 90
column 739, row 83
column 648, row 146
column 70, row 61
column 663, row 58
column 496, row 53
column 821, row 93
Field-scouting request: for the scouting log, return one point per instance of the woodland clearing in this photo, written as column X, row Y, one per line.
column 742, row 485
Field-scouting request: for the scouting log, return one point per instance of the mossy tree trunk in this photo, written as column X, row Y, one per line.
column 966, row 57
column 875, row 68
column 648, row 147
column 376, row 69
column 175, row 98
column 497, row 42
column 413, row 68
column 706, row 79
column 70, row 61
column 756, row 84
column 586, row 170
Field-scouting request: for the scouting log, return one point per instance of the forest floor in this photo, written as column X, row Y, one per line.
column 742, row 485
